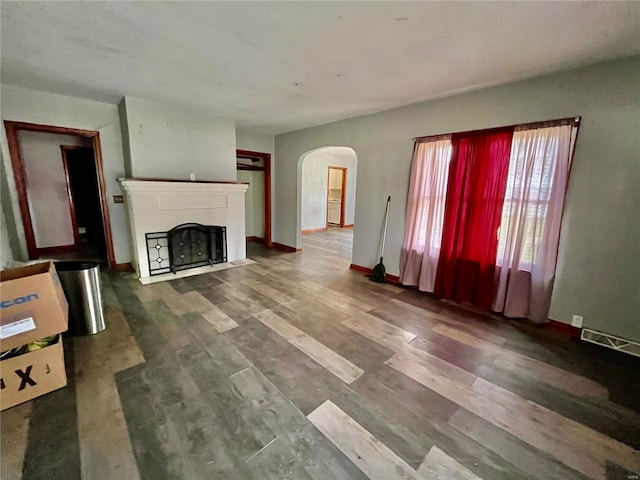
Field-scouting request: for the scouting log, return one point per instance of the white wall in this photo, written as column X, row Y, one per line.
column 253, row 202
column 47, row 186
column 598, row 274
column 32, row 106
column 315, row 168
column 171, row 142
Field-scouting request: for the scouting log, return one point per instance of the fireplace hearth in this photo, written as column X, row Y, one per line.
column 188, row 245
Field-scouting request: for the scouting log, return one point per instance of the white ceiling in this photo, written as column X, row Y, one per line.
column 280, row 66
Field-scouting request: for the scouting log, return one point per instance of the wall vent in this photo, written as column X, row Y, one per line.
column 611, row 341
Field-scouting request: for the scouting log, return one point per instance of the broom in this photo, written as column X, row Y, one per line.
column 379, row 273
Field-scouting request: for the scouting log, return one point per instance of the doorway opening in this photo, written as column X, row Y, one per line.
column 59, row 181
column 84, row 201
column 327, row 186
column 254, row 169
column 336, row 196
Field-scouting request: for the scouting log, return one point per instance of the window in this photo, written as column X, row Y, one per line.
column 532, row 169
column 515, row 239
column 431, row 199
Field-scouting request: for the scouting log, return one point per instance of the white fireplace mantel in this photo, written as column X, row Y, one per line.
column 158, row 206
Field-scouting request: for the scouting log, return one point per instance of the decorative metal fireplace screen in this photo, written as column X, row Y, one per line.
column 185, row 246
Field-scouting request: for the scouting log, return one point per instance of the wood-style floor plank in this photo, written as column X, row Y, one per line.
column 299, row 445
column 14, row 429
column 379, row 331
column 537, row 464
column 439, row 466
column 220, row 321
column 397, row 340
column 359, row 446
column 526, row 366
column 340, row 367
column 603, row 416
column 105, row 447
column 574, row 444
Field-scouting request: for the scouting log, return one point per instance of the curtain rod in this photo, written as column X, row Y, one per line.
column 532, row 125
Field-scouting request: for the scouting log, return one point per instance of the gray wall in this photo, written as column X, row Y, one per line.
column 315, row 168
column 11, row 247
column 6, row 252
column 253, row 203
column 255, row 142
column 598, row 274
column 171, row 142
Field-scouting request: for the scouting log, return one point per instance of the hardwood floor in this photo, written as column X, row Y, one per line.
column 297, row 368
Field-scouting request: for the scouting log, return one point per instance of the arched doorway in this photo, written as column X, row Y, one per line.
column 326, row 200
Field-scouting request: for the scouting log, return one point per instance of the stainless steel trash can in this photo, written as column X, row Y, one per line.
column 81, row 284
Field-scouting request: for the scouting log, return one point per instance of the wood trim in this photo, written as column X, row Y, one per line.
column 267, row 200
column 12, row 129
column 342, row 193
column 35, row 127
column 573, row 121
column 122, row 267
column 360, row 268
column 286, row 248
column 266, row 161
column 390, row 278
column 104, row 205
column 178, row 180
column 559, row 121
column 56, row 249
column 250, row 154
column 326, row 220
column 314, row 230
column 253, row 238
column 348, row 226
column 240, row 166
column 343, row 198
column 72, row 206
column 570, row 330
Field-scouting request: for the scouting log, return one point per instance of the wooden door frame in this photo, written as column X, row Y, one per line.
column 12, row 129
column 266, row 161
column 343, row 194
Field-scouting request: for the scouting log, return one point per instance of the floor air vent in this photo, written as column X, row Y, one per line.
column 611, row 341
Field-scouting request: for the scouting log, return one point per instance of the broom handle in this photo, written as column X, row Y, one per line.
column 384, row 231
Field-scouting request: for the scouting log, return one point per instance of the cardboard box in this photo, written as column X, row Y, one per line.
column 33, row 374
column 32, row 306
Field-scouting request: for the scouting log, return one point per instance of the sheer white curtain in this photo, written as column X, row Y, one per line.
column 425, row 212
column 531, row 216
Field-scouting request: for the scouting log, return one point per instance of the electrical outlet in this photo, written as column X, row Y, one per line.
column 192, row 177
column 576, row 321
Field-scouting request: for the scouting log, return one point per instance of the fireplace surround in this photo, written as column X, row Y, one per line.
column 160, row 205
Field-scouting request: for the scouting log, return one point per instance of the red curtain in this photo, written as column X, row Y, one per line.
column 473, row 209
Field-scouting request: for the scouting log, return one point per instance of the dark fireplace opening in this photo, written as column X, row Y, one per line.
column 188, row 245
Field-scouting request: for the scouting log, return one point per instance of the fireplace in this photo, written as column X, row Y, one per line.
column 159, row 205
column 188, row 245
